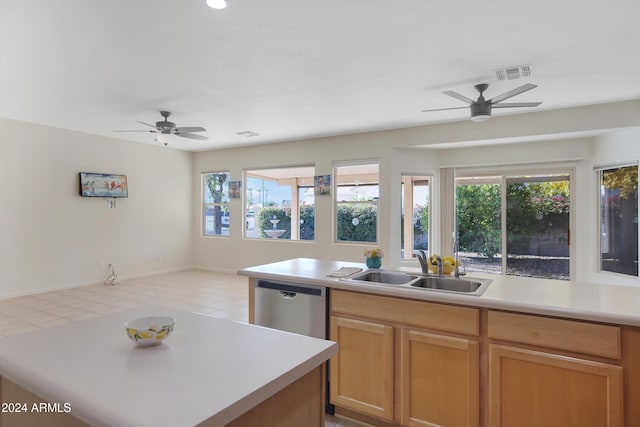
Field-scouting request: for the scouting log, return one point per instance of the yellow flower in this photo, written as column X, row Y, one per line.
column 374, row 253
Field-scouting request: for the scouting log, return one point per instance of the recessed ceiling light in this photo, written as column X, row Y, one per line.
column 217, row 4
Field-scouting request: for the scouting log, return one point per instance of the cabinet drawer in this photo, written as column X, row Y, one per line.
column 421, row 314
column 560, row 334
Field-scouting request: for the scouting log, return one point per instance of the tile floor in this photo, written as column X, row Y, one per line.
column 214, row 294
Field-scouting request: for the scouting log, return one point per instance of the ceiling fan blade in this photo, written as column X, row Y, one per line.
column 456, row 95
column 137, row 130
column 147, row 124
column 516, row 104
column 193, row 136
column 512, row 92
column 443, row 109
column 190, row 129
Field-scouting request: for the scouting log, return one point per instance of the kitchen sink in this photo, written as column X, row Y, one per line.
column 383, row 277
column 471, row 286
column 468, row 286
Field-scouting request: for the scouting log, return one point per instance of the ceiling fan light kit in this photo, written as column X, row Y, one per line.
column 480, row 116
column 481, row 108
column 217, row 4
column 164, row 128
column 163, row 139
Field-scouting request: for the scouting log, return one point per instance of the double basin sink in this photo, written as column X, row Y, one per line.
column 468, row 286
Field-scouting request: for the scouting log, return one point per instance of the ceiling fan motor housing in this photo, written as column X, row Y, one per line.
column 481, row 108
column 165, row 125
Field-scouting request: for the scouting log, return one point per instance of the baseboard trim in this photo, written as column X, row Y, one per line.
column 216, row 270
column 95, row 282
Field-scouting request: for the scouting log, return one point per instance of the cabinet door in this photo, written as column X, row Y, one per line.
column 362, row 370
column 439, row 380
column 530, row 388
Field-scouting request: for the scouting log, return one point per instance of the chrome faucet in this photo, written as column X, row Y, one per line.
column 424, row 263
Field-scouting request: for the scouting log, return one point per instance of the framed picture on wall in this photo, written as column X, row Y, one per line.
column 103, row 185
column 234, row 189
column 322, row 184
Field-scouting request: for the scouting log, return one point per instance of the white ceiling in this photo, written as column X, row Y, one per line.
column 295, row 69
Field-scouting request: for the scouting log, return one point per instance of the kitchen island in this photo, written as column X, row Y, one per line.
column 528, row 352
column 209, row 372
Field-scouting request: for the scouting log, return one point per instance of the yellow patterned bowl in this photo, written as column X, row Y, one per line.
column 152, row 330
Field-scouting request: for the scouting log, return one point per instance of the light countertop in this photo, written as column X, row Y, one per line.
column 208, row 369
column 584, row 301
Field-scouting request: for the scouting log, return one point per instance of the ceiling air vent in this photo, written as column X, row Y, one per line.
column 513, row 73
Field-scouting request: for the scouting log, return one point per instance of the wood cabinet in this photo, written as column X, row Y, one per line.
column 439, row 380
column 534, row 388
column 405, row 361
column 417, row 363
column 362, row 371
column 545, row 385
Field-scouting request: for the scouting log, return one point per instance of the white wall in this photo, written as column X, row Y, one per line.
column 53, row 238
column 233, row 252
column 579, row 154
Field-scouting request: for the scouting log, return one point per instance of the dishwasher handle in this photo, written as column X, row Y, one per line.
column 288, row 295
column 292, row 289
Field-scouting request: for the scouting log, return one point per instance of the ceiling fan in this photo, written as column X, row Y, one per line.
column 481, row 108
column 166, row 127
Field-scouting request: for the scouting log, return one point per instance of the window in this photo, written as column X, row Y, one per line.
column 479, row 224
column 515, row 224
column 356, row 197
column 619, row 220
column 280, row 203
column 215, row 203
column 415, row 221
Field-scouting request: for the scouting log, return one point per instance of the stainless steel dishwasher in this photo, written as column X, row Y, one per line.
column 291, row 307
column 301, row 309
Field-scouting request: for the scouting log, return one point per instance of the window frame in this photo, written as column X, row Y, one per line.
column 529, row 169
column 598, row 169
column 335, row 184
column 295, row 196
column 405, row 203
